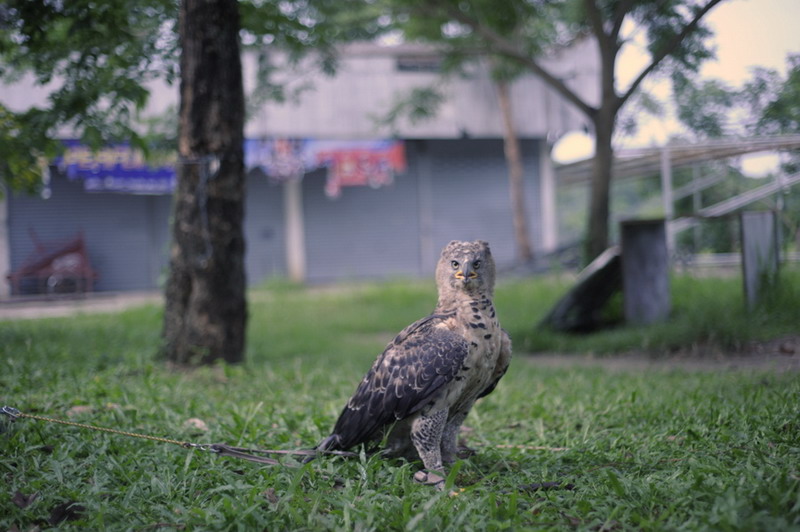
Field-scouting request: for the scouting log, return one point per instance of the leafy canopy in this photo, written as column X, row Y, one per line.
column 97, row 59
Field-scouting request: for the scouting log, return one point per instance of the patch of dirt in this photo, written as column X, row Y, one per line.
column 780, row 355
column 35, row 307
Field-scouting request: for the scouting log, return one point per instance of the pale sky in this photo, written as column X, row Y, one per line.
column 746, row 34
column 753, row 33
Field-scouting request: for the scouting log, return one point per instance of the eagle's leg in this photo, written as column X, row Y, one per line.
column 426, row 434
column 450, row 437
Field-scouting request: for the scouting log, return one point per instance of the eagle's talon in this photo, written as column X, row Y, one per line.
column 429, row 479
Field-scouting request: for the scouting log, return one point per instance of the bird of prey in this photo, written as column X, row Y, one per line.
column 423, row 385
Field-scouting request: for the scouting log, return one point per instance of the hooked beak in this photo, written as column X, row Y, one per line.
column 466, row 274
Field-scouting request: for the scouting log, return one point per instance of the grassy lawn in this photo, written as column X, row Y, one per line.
column 655, row 450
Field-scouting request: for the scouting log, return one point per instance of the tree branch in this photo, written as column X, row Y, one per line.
column 622, row 10
column 596, row 20
column 668, row 49
column 502, row 46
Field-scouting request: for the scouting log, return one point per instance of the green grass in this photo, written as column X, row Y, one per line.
column 653, row 450
column 706, row 312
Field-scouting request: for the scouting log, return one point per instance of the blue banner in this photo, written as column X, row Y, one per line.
column 121, row 168
column 118, row 168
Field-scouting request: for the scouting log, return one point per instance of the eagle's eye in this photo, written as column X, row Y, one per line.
column 454, row 264
column 476, row 265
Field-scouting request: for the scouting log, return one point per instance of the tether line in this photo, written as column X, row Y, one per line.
column 217, row 448
column 13, row 413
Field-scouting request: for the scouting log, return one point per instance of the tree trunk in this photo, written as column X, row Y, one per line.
column 206, row 310
column 604, row 119
column 516, row 174
column 598, row 223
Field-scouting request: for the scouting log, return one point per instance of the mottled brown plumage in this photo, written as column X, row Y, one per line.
column 423, row 385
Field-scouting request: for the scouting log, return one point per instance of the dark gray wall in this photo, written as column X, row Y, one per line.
column 265, row 254
column 365, row 233
column 126, row 235
column 470, row 195
column 453, row 190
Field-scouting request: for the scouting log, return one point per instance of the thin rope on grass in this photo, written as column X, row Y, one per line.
column 217, row 448
column 185, row 444
column 530, row 447
column 227, row 450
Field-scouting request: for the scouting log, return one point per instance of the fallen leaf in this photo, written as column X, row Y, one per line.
column 67, row 511
column 788, row 348
column 79, row 410
column 573, row 521
column 270, row 495
column 194, row 423
column 22, row 500
column 610, row 526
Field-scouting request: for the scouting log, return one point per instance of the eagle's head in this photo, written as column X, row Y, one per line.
column 465, row 268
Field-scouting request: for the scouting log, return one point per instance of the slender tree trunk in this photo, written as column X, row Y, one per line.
column 206, row 310
column 600, row 196
column 604, row 119
column 516, row 174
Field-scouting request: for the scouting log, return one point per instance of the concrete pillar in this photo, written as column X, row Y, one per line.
column 295, row 230
column 5, row 246
column 547, row 203
column 666, row 193
column 645, row 271
column 760, row 254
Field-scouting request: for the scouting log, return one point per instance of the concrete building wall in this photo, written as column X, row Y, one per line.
column 126, row 234
column 370, row 80
column 453, row 189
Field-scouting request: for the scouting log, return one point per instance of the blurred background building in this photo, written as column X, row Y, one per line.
column 333, row 191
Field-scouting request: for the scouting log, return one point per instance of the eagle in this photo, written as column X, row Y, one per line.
column 420, row 389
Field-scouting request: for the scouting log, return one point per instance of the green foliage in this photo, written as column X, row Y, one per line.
column 663, row 21
column 288, row 34
column 437, row 24
column 775, row 109
column 659, row 449
column 780, row 100
column 98, row 57
column 419, row 104
column 515, row 34
column 767, row 104
column 20, row 166
column 703, row 108
column 708, row 315
column 450, row 24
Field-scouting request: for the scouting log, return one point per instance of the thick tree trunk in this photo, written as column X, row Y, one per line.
column 206, row 310
column 516, row 174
